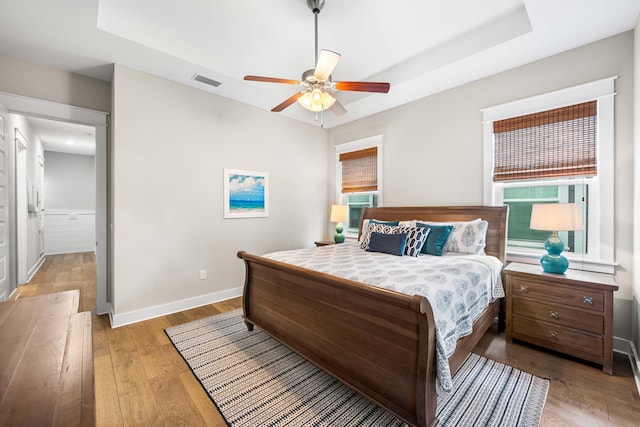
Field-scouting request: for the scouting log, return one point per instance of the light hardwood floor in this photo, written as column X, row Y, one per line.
column 141, row 380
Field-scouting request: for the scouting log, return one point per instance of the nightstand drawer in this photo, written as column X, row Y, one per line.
column 559, row 315
column 557, row 337
column 561, row 294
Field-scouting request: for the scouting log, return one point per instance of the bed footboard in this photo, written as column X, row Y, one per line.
column 378, row 342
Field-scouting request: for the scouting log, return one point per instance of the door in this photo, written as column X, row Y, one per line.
column 5, row 290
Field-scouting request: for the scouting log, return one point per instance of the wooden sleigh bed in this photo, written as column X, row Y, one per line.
column 379, row 342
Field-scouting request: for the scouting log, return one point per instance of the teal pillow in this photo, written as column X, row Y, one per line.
column 436, row 239
column 375, row 221
column 393, row 244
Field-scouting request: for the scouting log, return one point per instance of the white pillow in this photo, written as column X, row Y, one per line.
column 467, row 237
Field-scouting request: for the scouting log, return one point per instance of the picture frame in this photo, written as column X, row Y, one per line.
column 246, row 194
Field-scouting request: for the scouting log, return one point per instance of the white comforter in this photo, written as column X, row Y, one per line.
column 458, row 287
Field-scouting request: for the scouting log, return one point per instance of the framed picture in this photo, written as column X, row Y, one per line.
column 246, row 194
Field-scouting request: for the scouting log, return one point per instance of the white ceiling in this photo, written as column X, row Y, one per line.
column 420, row 46
column 65, row 137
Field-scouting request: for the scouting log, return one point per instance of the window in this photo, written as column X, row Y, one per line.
column 358, row 173
column 554, row 148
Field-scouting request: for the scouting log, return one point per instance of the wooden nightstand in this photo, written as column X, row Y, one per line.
column 325, row 242
column 571, row 313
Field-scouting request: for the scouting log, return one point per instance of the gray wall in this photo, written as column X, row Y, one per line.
column 433, row 146
column 69, row 181
column 171, row 144
column 38, row 81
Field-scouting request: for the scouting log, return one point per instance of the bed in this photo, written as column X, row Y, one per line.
column 380, row 342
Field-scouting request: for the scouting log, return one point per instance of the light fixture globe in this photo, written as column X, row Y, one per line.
column 316, row 99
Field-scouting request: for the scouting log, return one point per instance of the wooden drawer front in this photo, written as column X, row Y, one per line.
column 565, row 295
column 559, row 315
column 557, row 337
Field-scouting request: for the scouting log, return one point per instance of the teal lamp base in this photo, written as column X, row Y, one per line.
column 339, row 237
column 553, row 261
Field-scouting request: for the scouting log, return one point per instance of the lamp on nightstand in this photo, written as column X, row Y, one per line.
column 555, row 217
column 339, row 215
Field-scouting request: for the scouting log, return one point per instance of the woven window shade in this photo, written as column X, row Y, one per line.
column 549, row 144
column 360, row 170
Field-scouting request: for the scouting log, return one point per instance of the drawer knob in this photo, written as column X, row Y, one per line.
column 553, row 335
column 587, row 300
column 553, row 314
column 524, row 288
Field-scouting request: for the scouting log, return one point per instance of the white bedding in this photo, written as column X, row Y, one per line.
column 458, row 287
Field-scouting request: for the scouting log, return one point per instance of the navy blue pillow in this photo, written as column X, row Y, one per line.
column 393, row 244
column 436, row 239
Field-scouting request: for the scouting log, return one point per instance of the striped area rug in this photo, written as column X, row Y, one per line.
column 256, row 381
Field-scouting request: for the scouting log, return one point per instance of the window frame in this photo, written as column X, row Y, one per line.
column 601, row 201
column 360, row 144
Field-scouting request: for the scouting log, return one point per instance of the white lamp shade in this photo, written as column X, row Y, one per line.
column 338, row 213
column 556, row 217
column 327, row 61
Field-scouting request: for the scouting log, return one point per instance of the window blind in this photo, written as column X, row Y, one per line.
column 359, row 170
column 550, row 144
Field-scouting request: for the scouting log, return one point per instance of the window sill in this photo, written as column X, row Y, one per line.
column 575, row 263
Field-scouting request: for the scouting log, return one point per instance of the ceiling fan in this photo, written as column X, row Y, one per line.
column 317, row 93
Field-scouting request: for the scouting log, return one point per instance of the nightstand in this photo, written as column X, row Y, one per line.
column 571, row 313
column 325, row 242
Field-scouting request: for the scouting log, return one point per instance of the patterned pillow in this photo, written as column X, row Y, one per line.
column 467, row 237
column 377, row 228
column 365, row 227
column 416, row 237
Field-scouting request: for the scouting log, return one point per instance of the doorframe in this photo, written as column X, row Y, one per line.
column 33, row 107
column 21, row 215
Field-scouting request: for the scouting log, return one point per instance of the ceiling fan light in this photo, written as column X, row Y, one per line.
column 316, row 100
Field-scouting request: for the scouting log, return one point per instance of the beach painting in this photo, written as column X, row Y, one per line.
column 246, row 194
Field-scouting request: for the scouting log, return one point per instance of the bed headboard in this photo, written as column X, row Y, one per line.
column 496, row 216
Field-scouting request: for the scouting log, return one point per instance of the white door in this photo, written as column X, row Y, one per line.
column 5, row 290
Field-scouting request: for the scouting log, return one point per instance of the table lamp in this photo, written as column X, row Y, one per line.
column 555, row 217
column 339, row 215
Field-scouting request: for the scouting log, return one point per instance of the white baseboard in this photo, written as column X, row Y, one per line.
column 35, row 268
column 625, row 346
column 71, row 251
column 123, row 319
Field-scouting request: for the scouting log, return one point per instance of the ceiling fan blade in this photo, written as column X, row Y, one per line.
column 287, row 102
column 271, row 80
column 363, row 86
column 337, row 108
column 327, row 61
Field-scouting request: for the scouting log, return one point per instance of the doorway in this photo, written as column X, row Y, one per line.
column 31, row 107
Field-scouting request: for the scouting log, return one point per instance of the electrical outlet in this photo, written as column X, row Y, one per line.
column 203, row 274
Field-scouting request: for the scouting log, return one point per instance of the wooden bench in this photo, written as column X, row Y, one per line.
column 46, row 362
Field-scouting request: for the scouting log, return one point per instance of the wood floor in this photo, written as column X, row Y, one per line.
column 63, row 273
column 141, row 380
